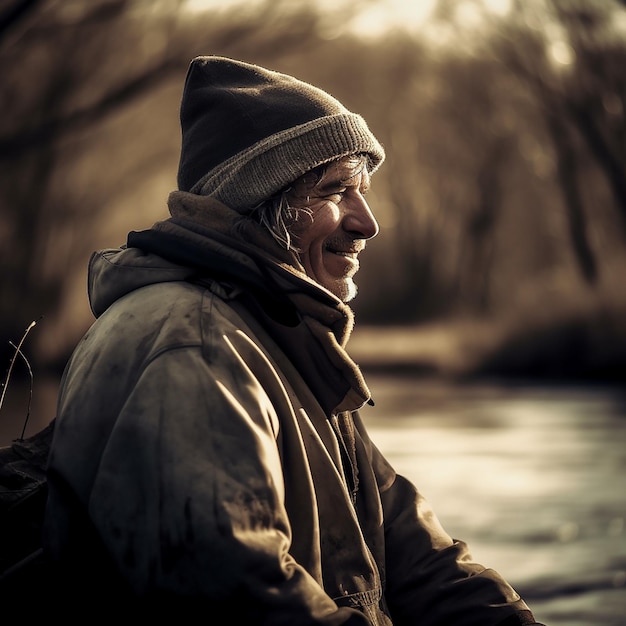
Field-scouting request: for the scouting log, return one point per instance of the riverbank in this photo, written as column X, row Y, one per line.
column 530, row 475
column 583, row 349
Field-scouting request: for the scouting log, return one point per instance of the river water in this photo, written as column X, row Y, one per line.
column 532, row 477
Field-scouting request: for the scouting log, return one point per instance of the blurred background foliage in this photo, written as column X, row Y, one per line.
column 502, row 202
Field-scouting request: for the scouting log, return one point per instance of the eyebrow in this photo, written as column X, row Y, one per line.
column 339, row 183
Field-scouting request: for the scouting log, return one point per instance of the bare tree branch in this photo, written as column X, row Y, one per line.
column 16, row 12
column 24, row 141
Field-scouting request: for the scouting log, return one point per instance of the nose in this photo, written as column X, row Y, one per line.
column 359, row 220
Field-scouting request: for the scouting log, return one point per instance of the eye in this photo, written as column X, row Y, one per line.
column 336, row 196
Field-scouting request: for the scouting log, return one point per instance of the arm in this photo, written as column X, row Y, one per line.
column 193, row 463
column 430, row 577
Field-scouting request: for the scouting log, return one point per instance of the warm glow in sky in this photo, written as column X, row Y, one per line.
column 376, row 17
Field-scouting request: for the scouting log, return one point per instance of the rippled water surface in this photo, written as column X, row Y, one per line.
column 532, row 477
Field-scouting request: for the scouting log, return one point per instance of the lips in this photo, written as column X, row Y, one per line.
column 350, row 252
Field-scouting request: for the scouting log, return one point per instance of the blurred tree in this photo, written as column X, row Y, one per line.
column 59, row 80
column 73, row 72
column 484, row 128
column 571, row 56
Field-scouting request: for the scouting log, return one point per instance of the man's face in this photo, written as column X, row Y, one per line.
column 331, row 231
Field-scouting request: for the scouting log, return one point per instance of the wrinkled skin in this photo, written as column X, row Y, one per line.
column 333, row 226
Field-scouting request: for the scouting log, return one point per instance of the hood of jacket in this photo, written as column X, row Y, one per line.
column 205, row 241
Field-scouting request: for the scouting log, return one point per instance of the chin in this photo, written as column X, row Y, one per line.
column 347, row 291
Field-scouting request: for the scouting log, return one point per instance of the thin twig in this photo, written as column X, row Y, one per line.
column 30, row 395
column 18, row 350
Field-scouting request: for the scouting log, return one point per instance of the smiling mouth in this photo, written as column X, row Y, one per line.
column 342, row 263
column 350, row 254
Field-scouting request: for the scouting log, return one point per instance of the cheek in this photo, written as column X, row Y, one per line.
column 316, row 227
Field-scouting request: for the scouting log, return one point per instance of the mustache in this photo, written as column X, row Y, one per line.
column 347, row 245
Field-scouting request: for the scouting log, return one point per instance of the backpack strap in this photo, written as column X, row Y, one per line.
column 23, row 494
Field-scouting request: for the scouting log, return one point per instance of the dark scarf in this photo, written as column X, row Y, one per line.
column 309, row 323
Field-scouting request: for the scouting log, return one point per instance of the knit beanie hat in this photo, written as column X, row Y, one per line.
column 248, row 132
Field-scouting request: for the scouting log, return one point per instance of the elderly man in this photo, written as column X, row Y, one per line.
column 208, row 456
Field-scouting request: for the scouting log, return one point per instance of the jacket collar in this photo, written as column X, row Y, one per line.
column 309, row 323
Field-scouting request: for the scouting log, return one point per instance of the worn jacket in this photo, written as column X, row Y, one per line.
column 209, row 453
